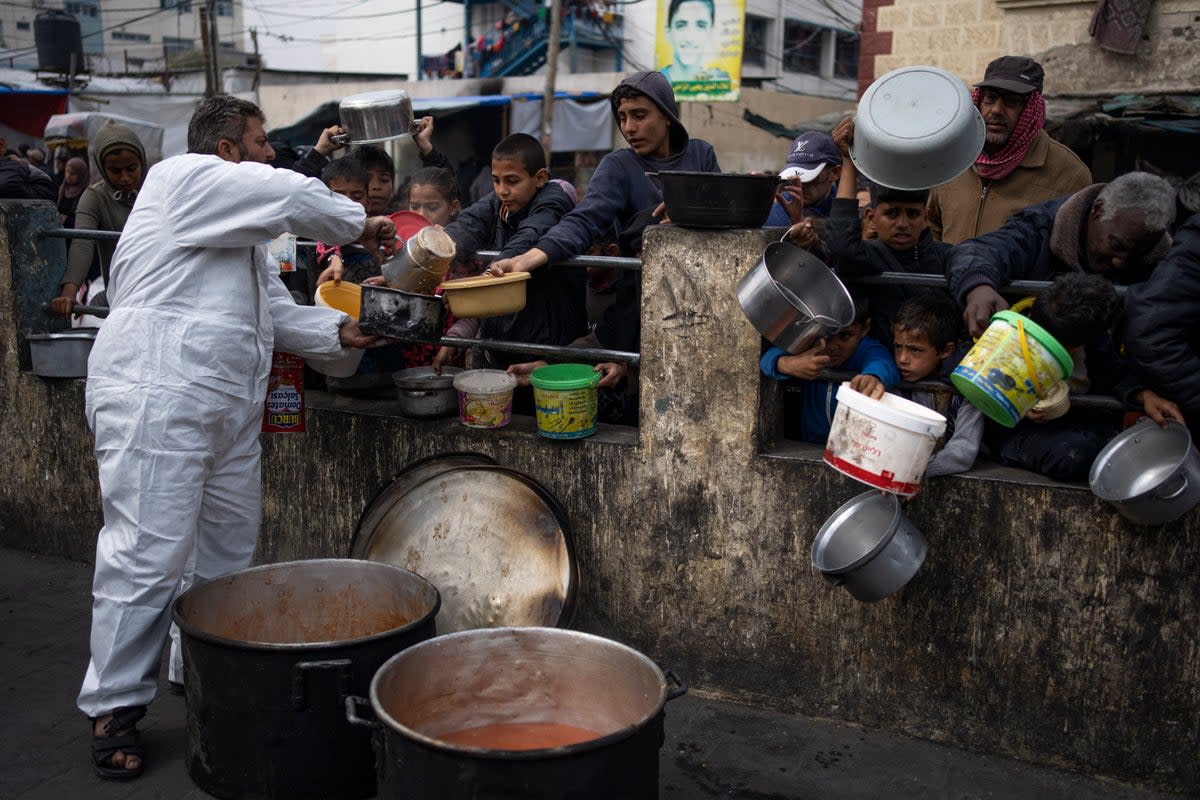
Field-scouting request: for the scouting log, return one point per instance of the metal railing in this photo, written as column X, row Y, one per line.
column 1100, row 402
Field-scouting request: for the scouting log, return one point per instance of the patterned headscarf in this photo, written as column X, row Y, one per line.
column 1008, row 158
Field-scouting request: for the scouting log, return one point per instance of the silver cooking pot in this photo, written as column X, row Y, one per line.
column 63, row 354
column 1150, row 473
column 424, row 393
column 373, row 117
column 793, row 299
column 869, row 546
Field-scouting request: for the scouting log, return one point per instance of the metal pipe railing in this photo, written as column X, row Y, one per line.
column 1093, row 401
column 595, row 354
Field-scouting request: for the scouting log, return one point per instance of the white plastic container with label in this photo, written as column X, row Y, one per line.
column 884, row 443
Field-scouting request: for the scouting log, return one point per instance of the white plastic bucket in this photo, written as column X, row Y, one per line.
column 884, row 443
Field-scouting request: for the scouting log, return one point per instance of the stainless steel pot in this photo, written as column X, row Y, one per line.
column 425, row 394
column 869, row 546
column 793, row 299
column 381, row 116
column 1150, row 473
column 61, row 355
column 527, row 682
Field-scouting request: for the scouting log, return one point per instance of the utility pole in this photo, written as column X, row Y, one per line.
column 215, row 47
column 206, row 41
column 420, row 60
column 257, row 58
column 551, row 74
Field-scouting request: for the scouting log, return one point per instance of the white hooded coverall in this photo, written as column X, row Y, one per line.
column 176, row 385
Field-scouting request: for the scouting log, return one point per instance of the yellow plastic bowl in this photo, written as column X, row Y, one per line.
column 345, row 297
column 486, row 296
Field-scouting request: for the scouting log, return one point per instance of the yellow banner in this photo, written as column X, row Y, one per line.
column 698, row 47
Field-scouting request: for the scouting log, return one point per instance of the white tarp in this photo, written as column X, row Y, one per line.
column 576, row 125
column 79, row 129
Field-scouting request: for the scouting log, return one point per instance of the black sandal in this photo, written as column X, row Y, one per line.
column 106, row 746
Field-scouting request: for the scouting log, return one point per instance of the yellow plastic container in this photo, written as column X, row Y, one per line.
column 344, row 296
column 1012, row 366
column 486, row 295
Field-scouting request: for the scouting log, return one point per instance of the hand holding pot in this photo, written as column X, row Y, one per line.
column 806, row 365
column 1158, row 408
column 351, row 335
column 802, row 235
column 843, row 136
column 379, row 233
column 333, row 272
column 327, row 143
column 982, row 302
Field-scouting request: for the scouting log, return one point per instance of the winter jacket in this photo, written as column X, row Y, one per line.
column 101, row 207
column 555, row 310
column 19, row 182
column 1036, row 244
column 1162, row 325
column 959, row 445
column 970, row 206
column 818, row 400
column 852, row 257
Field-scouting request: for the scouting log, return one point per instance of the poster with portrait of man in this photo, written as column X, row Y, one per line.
column 699, row 47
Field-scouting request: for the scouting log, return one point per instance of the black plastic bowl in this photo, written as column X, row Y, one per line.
column 718, row 200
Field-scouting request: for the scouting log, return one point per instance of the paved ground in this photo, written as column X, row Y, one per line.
column 713, row 749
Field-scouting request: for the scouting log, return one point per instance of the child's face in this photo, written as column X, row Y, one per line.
column 916, row 356
column 644, row 126
column 514, row 185
column 379, row 191
column 842, row 344
column 899, row 225
column 355, row 190
column 430, row 203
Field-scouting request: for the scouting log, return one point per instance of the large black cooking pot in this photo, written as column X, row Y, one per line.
column 717, row 200
column 270, row 654
column 489, row 689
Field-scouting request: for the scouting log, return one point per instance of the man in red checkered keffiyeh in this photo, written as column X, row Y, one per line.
column 1010, row 100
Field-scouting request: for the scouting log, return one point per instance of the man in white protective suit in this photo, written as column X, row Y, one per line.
column 175, row 391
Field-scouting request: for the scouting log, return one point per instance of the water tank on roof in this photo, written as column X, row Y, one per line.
column 57, row 36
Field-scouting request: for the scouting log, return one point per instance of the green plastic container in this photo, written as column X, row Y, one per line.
column 565, row 399
column 995, row 375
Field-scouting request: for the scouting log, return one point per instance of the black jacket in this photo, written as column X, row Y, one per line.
column 853, row 257
column 555, row 307
column 1162, row 322
column 19, row 182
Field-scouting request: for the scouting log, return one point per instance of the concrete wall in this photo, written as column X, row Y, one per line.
column 1042, row 626
column 962, row 36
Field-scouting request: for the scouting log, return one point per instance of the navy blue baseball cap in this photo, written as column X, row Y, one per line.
column 811, row 153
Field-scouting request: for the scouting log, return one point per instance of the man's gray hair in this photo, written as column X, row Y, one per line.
column 1140, row 191
column 221, row 116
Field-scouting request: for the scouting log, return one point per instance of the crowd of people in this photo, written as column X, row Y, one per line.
column 177, row 375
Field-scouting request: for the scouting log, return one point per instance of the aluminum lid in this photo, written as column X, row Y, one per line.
column 494, row 542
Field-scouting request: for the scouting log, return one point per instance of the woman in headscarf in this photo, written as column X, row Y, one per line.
column 74, row 181
column 103, row 206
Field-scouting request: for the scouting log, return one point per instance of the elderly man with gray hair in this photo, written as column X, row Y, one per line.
column 1118, row 230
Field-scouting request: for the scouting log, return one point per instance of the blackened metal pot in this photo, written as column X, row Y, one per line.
column 523, row 677
column 270, row 654
column 718, row 200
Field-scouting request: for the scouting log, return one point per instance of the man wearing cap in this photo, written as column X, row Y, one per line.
column 1020, row 164
column 813, row 167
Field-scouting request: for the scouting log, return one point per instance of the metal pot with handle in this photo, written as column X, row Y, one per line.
column 1150, row 473
column 793, row 299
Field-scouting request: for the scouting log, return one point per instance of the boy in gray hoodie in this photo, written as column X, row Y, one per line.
column 645, row 110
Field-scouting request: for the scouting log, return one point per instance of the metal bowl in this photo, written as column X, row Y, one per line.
column 793, row 299
column 916, row 128
column 374, row 117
